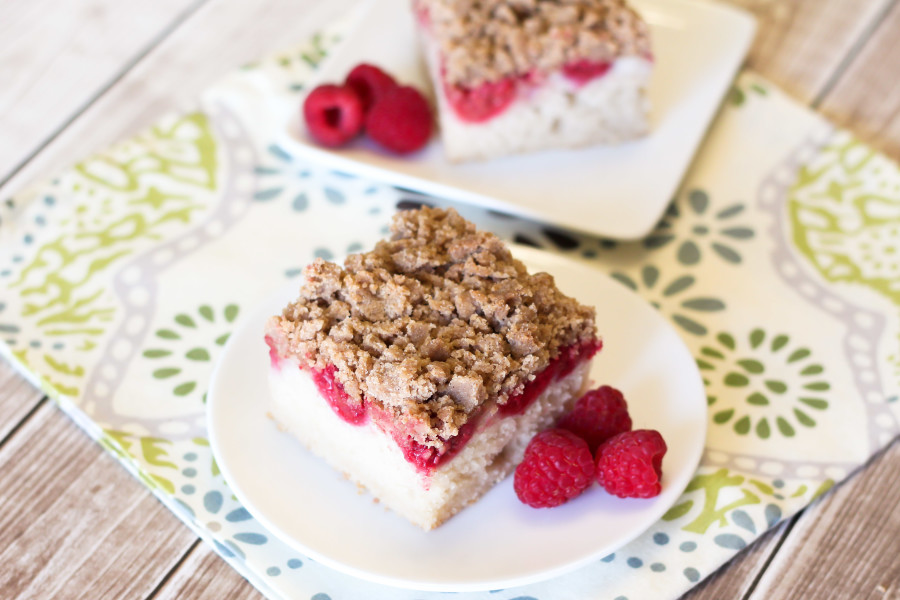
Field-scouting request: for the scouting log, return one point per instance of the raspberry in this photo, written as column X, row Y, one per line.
column 483, row 102
column 597, row 416
column 582, row 71
column 557, row 467
column 348, row 409
column 400, row 120
column 629, row 465
column 370, row 83
column 333, row 114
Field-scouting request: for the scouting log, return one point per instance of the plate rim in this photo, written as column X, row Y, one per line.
column 527, row 255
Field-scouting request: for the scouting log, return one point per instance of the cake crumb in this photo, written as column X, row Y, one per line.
column 487, row 40
column 431, row 323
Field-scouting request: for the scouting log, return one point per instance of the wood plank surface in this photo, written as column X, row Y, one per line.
column 17, row 399
column 866, row 98
column 56, row 56
column 203, row 574
column 800, row 44
column 847, row 544
column 217, row 38
column 736, row 578
column 73, row 522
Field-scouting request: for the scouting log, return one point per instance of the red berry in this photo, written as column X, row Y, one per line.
column 629, row 465
column 370, row 83
column 333, row 114
column 400, row 120
column 597, row 416
column 557, row 467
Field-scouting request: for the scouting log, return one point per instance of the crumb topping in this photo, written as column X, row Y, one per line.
column 431, row 323
column 486, row 40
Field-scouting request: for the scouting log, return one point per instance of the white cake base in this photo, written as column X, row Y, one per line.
column 558, row 113
column 370, row 458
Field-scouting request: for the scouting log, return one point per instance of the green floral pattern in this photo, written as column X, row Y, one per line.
column 673, row 297
column 770, row 384
column 183, row 341
column 705, row 230
column 118, row 205
column 848, row 228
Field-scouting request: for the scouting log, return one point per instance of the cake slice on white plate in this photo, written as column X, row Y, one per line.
column 421, row 369
column 516, row 76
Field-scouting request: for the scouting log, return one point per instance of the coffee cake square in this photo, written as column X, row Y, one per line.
column 525, row 75
column 421, row 369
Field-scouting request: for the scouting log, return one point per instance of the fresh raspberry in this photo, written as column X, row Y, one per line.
column 557, row 467
column 597, row 416
column 400, row 120
column 629, row 465
column 370, row 83
column 333, row 114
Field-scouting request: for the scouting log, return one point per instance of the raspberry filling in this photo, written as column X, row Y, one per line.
column 343, row 405
column 565, row 362
column 428, row 458
column 421, row 13
column 491, row 98
column 583, row 71
column 273, row 354
column 478, row 104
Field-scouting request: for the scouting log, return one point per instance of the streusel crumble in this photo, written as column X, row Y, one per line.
column 490, row 39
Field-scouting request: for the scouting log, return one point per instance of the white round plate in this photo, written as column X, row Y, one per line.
column 498, row 542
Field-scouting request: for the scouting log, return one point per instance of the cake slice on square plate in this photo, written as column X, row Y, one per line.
column 421, row 369
column 518, row 76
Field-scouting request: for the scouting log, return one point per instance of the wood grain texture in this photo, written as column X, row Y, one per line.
column 735, row 578
column 799, row 45
column 73, row 522
column 17, row 399
column 203, row 574
column 56, row 56
column 866, row 98
column 217, row 38
column 846, row 545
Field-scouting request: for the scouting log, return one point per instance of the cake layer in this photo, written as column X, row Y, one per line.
column 559, row 112
column 369, row 456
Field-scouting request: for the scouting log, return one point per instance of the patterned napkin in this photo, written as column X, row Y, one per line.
column 778, row 262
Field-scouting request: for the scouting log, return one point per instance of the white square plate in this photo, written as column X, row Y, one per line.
column 612, row 191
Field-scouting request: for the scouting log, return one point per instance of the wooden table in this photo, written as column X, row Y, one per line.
column 78, row 75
